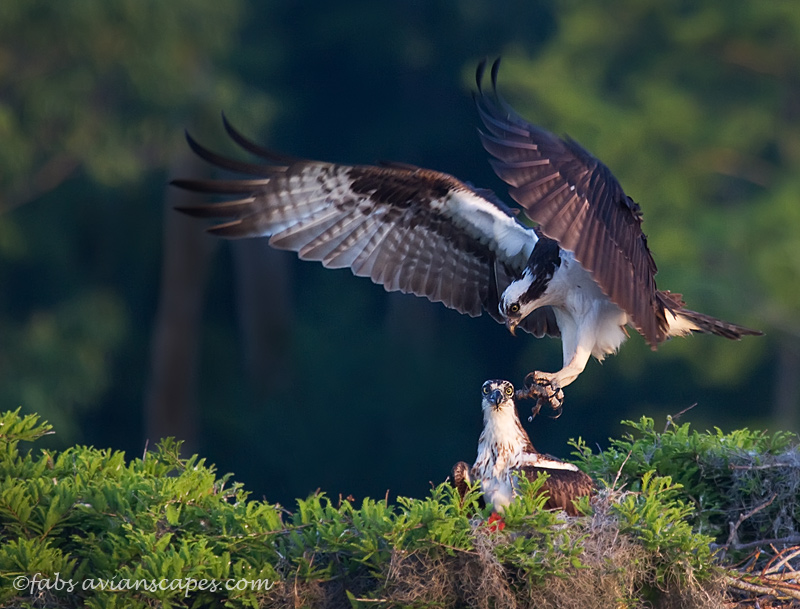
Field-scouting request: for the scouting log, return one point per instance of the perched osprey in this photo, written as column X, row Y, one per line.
column 583, row 273
column 504, row 448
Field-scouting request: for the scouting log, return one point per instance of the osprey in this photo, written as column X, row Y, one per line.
column 583, row 273
column 504, row 449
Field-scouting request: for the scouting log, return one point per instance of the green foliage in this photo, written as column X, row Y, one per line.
column 721, row 476
column 93, row 99
column 98, row 85
column 660, row 519
column 86, row 527
column 88, row 516
column 72, row 341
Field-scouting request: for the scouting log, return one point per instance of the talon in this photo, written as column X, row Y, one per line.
column 535, row 410
column 531, row 381
column 539, row 386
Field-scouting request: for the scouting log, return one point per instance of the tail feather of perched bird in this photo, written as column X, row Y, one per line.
column 461, row 478
column 504, row 449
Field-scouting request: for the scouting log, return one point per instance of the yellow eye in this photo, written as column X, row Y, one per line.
column 485, row 389
column 509, row 390
column 514, row 308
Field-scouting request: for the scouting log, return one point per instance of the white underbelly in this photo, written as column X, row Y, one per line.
column 590, row 321
column 610, row 333
column 498, row 492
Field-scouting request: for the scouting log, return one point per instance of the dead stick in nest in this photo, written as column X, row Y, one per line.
column 774, row 589
column 793, row 539
column 786, row 575
column 758, row 467
column 769, row 569
column 735, row 527
column 747, row 587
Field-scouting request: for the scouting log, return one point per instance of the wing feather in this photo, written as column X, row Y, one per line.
column 365, row 261
column 348, row 251
column 332, row 237
column 407, row 228
column 298, row 235
column 562, row 486
column 576, row 201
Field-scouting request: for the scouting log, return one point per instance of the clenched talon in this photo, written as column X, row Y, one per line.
column 539, row 386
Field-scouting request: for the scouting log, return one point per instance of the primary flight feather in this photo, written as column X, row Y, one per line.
column 583, row 273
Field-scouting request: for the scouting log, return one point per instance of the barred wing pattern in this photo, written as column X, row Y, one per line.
column 409, row 229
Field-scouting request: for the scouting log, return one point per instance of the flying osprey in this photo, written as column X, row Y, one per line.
column 505, row 449
column 583, row 273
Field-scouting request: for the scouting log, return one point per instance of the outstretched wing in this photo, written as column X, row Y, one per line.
column 578, row 202
column 407, row 228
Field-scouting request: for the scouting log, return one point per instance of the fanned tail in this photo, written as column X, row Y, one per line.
column 681, row 321
column 700, row 322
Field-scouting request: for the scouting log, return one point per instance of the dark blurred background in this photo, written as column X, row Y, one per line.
column 122, row 322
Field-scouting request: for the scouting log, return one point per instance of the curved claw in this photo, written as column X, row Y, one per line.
column 539, row 386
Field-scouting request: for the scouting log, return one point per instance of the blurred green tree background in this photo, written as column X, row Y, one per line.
column 121, row 322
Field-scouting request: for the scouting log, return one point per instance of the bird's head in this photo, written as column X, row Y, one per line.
column 530, row 291
column 497, row 395
column 519, row 300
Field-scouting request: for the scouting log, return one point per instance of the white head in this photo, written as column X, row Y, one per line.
column 525, row 295
column 517, row 301
column 498, row 396
column 500, row 420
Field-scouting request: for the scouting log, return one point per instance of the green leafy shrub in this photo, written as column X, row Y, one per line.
column 725, row 477
column 87, row 527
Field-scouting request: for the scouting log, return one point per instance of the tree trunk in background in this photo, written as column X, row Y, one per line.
column 787, row 389
column 263, row 278
column 171, row 400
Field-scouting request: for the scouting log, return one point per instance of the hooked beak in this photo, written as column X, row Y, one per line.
column 495, row 398
column 511, row 326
